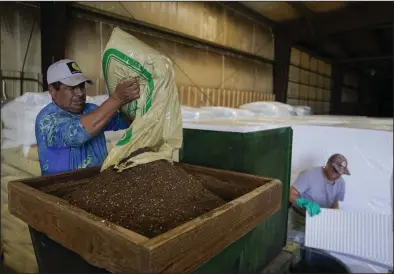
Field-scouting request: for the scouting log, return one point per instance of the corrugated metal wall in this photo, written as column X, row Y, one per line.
column 16, row 26
column 204, row 20
column 203, row 77
column 196, row 70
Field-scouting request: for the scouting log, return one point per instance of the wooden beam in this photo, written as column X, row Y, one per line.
column 336, row 88
column 54, row 28
column 366, row 59
column 281, row 68
column 356, row 16
column 313, row 52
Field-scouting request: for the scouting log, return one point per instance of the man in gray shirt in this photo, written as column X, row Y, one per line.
column 315, row 188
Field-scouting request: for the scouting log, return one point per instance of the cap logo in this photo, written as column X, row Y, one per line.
column 343, row 164
column 73, row 67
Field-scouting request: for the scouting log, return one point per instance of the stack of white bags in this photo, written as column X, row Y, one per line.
column 270, row 109
column 19, row 159
column 246, row 111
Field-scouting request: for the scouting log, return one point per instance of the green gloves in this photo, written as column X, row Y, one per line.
column 312, row 207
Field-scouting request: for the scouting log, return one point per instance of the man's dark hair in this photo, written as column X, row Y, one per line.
column 56, row 85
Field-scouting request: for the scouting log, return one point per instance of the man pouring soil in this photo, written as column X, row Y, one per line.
column 315, row 188
column 69, row 131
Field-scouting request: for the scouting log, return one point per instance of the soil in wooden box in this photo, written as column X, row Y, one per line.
column 149, row 199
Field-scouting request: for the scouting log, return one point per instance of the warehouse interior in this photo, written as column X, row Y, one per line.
column 333, row 57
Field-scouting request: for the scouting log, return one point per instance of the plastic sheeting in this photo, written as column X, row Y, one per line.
column 303, row 110
column 195, row 114
column 229, row 113
column 214, row 113
column 270, row 109
column 231, row 127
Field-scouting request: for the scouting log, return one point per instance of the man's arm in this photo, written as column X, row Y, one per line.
column 95, row 121
column 299, row 187
column 126, row 91
column 118, row 122
column 294, row 195
column 62, row 130
column 335, row 205
column 341, row 194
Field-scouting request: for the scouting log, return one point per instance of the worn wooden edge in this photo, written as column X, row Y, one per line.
column 213, row 171
column 185, row 228
column 134, row 237
column 105, row 245
column 37, row 181
column 83, row 173
column 176, row 251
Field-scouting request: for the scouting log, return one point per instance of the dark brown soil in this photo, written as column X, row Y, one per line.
column 149, row 199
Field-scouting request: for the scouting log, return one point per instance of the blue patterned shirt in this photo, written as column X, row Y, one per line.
column 63, row 143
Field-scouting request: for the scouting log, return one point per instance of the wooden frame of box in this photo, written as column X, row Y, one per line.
column 106, row 245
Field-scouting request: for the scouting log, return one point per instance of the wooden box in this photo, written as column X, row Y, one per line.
column 117, row 249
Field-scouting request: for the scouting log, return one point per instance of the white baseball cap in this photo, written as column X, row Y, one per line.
column 67, row 72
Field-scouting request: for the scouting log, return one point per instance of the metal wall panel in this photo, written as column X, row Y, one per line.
column 203, row 20
column 16, row 25
column 222, row 75
column 193, row 67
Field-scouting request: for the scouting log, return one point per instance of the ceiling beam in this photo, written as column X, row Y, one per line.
column 357, row 16
column 249, row 13
column 366, row 59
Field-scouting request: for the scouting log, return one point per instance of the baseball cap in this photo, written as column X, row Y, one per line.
column 339, row 163
column 67, row 72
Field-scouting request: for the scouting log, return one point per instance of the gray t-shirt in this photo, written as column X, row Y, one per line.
column 312, row 185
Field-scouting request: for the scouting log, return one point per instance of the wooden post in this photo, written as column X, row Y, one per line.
column 281, row 67
column 336, row 89
column 53, row 35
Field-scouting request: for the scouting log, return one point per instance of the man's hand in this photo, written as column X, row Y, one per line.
column 127, row 91
column 311, row 207
column 335, row 205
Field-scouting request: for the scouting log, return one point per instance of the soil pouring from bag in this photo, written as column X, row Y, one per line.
column 149, row 199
